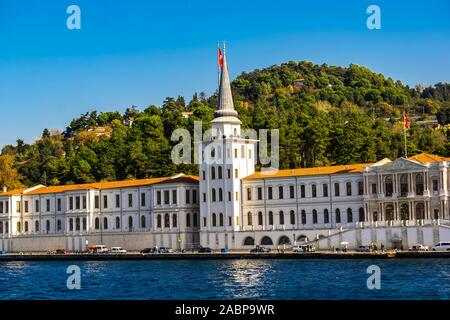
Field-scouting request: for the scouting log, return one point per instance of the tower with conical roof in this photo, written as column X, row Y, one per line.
column 227, row 157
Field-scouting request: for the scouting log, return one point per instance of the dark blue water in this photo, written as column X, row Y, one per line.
column 228, row 279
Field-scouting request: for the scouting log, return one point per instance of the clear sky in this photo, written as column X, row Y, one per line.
column 139, row 52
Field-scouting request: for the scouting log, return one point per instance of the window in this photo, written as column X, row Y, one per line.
column 249, row 153
column 130, row 200
column 219, row 172
column 117, row 201
column 130, row 223
column 97, row 224
column 6, row 206
column 58, row 204
column 166, row 197
column 419, row 184
column 325, row 190
column 260, row 218
column 249, row 218
column 269, row 190
column 143, row 222
column 214, row 220
column 1, row 206
column 70, row 203
column 236, row 173
column 77, row 224
column 220, row 194
column 36, row 226
column 281, row 217
column 26, row 206
column 249, row 194
column 166, row 221
column 229, row 196
column 374, row 188
column 280, row 192
column 302, row 191
column 188, row 196
column 77, row 203
column 292, row 214
column 117, row 222
column 105, row 223
column 270, row 218
column 174, row 197
column 349, row 215
column 105, row 201
column 314, row 215
column 303, row 217
column 213, row 173
column 47, row 226
column 204, row 197
column 47, row 205
column 235, row 153
column 17, row 206
column 435, row 185
column 360, row 188
column 188, row 220
column 194, row 196
column 36, row 206
column 348, row 187
column 314, row 191
column 203, row 175
column 326, row 216
column 237, row 196
column 71, row 224
column 361, row 215
column 242, row 151
column 229, row 173
column 336, row 189
column 194, row 220
column 404, row 185
column 213, row 195
column 158, row 221
column 18, row 226
column 388, row 186
column 158, row 197
column 58, row 226
column 259, row 193
column 96, row 202
column 84, row 202
column 291, row 192
column 338, row 216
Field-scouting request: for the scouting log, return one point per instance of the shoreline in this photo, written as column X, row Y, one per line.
column 222, row 256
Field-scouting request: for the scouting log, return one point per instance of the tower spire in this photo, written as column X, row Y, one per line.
column 225, row 108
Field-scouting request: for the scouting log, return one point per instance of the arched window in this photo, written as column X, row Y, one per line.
column 349, row 215
column 166, row 221
column 84, row 223
column 1, row 227
column 158, row 221
column 292, row 217
column 143, row 222
column 419, row 184
column 188, row 220
column 219, row 172
column 71, row 224
column 26, row 227
column 214, row 220
column 404, row 185
column 314, row 191
column 326, row 216
column 303, row 217
column 302, row 238
column 249, row 241
column 220, row 194
column 420, row 211
column 266, row 241
column 389, row 186
column 270, row 218
column 249, row 218
column 118, row 222
column 362, row 217
column 284, row 240
column 174, row 220
column 97, row 224
column 195, row 220
column 221, row 219
column 47, row 226
column 77, row 224
column 338, row 215
column 130, row 223
column 235, row 132
column 36, row 226
column 242, row 151
column 213, row 153
column 389, row 216
column 260, row 218
column 18, row 226
column 105, row 223
column 404, row 212
column 281, row 217
column 348, row 187
column 213, row 173
column 213, row 194
column 314, row 214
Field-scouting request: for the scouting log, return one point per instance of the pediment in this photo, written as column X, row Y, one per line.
column 402, row 164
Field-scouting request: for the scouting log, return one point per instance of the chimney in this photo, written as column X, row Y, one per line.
column 5, row 188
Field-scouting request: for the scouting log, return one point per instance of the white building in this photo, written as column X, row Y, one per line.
column 394, row 203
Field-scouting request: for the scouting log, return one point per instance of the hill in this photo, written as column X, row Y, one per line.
column 326, row 115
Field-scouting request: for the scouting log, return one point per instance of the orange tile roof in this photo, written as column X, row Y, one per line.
column 103, row 185
column 425, row 157
column 351, row 168
column 12, row 192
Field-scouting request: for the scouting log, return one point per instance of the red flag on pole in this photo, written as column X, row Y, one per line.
column 405, row 120
column 220, row 57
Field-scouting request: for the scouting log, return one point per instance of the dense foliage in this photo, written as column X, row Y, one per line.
column 333, row 115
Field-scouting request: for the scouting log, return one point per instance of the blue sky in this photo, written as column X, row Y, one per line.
column 139, row 52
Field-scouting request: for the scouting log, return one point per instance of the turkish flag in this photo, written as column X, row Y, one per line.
column 405, row 120
column 220, row 57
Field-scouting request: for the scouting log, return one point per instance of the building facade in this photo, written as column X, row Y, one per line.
column 392, row 203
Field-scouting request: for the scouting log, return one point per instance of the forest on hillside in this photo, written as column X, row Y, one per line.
column 326, row 115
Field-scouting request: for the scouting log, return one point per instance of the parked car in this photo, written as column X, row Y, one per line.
column 97, row 248
column 149, row 250
column 418, row 247
column 118, row 250
column 165, row 250
column 3, row 251
column 62, row 251
column 205, row 250
column 362, row 249
column 260, row 249
column 304, row 248
column 441, row 246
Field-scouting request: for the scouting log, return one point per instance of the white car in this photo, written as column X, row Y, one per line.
column 118, row 250
column 441, row 246
column 418, row 247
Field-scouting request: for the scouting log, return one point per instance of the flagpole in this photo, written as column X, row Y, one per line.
column 218, row 65
column 406, row 149
column 405, row 127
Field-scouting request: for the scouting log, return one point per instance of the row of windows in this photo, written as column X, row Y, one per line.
column 292, row 217
column 405, row 186
column 105, row 225
column 217, row 195
column 219, row 171
column 105, row 201
column 313, row 190
column 4, row 207
column 218, row 154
